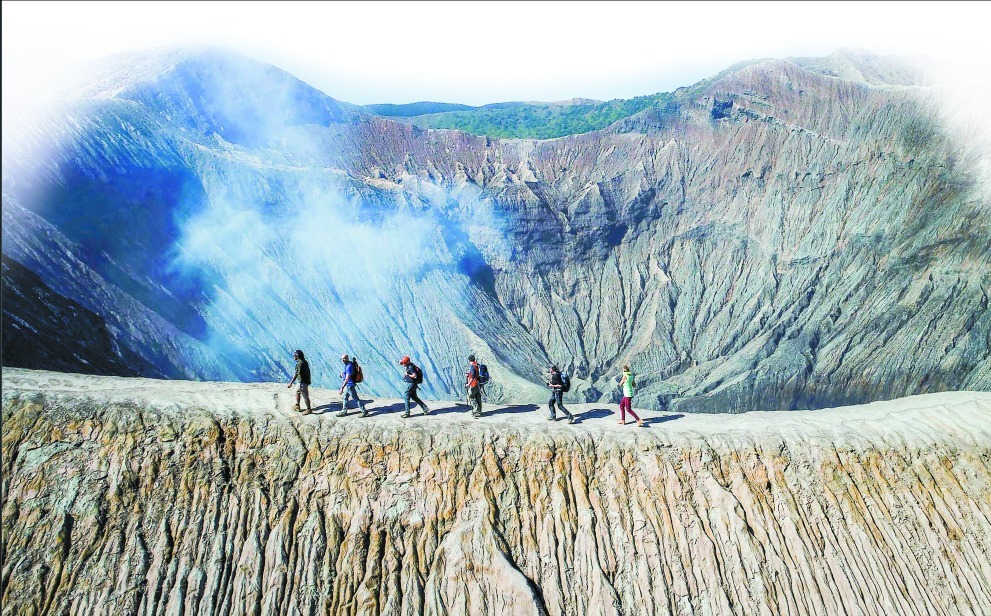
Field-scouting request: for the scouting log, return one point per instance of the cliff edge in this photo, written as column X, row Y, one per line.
column 139, row 496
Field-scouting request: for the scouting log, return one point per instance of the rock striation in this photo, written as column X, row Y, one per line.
column 139, row 496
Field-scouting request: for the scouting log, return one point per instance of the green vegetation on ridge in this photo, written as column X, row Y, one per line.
column 414, row 109
column 535, row 120
column 539, row 120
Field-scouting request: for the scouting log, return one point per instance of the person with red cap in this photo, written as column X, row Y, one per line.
column 413, row 377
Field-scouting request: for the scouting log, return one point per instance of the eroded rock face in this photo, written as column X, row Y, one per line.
column 134, row 496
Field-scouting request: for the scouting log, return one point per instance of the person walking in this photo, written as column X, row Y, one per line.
column 348, row 389
column 413, row 377
column 628, row 383
column 303, row 375
column 474, row 387
column 557, row 394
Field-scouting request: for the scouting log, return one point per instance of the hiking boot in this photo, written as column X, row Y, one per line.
column 404, row 415
column 364, row 413
column 308, row 412
column 342, row 414
column 426, row 411
column 572, row 419
column 295, row 407
column 552, row 418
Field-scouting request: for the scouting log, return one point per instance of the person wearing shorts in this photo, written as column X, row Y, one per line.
column 303, row 376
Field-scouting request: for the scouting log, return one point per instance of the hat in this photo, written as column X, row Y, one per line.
column 404, row 360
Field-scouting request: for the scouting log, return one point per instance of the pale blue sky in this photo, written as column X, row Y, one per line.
column 482, row 52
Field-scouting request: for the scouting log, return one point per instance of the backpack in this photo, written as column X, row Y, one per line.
column 417, row 374
column 483, row 374
column 565, row 383
column 356, row 374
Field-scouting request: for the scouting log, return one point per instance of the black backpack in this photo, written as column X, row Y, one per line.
column 565, row 383
column 483, row 374
column 417, row 374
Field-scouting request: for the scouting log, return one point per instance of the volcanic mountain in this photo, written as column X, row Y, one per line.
column 791, row 233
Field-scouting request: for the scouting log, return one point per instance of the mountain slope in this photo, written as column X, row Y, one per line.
column 775, row 237
column 69, row 339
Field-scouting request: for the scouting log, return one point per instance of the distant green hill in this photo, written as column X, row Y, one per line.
column 540, row 120
column 525, row 120
column 536, row 120
column 415, row 109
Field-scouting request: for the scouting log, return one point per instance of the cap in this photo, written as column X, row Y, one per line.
column 404, row 360
column 471, row 357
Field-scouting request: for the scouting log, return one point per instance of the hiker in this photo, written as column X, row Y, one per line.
column 348, row 387
column 628, row 383
column 474, row 387
column 413, row 377
column 557, row 394
column 303, row 374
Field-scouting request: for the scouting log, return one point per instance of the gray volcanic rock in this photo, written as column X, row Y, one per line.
column 124, row 496
column 62, row 335
column 788, row 234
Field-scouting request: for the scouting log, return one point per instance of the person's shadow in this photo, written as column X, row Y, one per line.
column 516, row 408
column 385, row 410
column 659, row 420
column 595, row 414
column 456, row 408
column 335, row 407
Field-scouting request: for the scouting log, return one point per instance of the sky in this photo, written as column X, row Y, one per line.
column 483, row 52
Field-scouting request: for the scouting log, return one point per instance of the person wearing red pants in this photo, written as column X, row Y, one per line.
column 628, row 383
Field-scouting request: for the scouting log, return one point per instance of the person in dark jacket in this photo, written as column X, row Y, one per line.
column 413, row 376
column 348, row 388
column 555, row 383
column 303, row 376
